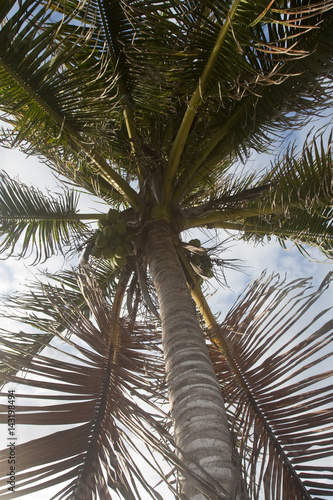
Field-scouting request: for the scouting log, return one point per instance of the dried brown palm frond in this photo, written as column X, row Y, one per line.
column 99, row 392
column 90, row 383
column 34, row 299
column 278, row 388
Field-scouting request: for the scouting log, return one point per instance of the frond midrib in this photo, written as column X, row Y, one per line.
column 110, row 359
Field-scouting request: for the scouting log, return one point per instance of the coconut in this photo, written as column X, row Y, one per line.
column 208, row 273
column 120, row 251
column 107, row 252
column 101, row 241
column 206, row 262
column 196, row 259
column 195, row 243
column 113, row 215
column 102, row 221
column 108, row 231
column 120, row 261
column 96, row 252
column 117, row 240
column 120, row 227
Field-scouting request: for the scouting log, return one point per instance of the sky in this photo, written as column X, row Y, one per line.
column 16, row 273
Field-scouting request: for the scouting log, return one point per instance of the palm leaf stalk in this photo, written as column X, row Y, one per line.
column 149, row 106
column 184, row 129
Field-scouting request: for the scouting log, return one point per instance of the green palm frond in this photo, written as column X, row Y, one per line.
column 280, row 83
column 52, row 74
column 72, row 165
column 280, row 406
column 293, row 202
column 138, row 64
column 301, row 228
column 38, row 51
column 36, row 223
column 304, row 179
column 301, row 197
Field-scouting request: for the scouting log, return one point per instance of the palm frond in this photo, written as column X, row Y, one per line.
column 53, row 73
column 304, row 230
column 38, row 49
column 280, row 401
column 106, row 392
column 71, row 164
column 304, row 179
column 98, row 394
column 301, row 199
column 150, row 59
column 41, row 224
column 33, row 301
column 293, row 201
column 279, row 78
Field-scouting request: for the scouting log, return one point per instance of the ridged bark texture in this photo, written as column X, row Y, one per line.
column 197, row 407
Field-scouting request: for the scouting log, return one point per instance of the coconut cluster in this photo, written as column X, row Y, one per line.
column 113, row 240
column 200, row 262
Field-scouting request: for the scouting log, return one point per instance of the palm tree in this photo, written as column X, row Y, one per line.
column 150, row 105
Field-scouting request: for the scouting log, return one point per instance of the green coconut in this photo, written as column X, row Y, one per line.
column 107, row 252
column 120, row 251
column 117, row 240
column 208, row 273
column 206, row 262
column 195, row 243
column 102, row 221
column 130, row 235
column 196, row 259
column 120, row 227
column 120, row 261
column 96, row 252
column 108, row 231
column 101, row 241
column 113, row 215
column 190, row 149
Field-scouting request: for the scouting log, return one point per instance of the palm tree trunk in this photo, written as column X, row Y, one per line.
column 197, row 407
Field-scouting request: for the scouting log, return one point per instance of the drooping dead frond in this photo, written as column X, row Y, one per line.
column 279, row 393
column 102, row 388
column 92, row 384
